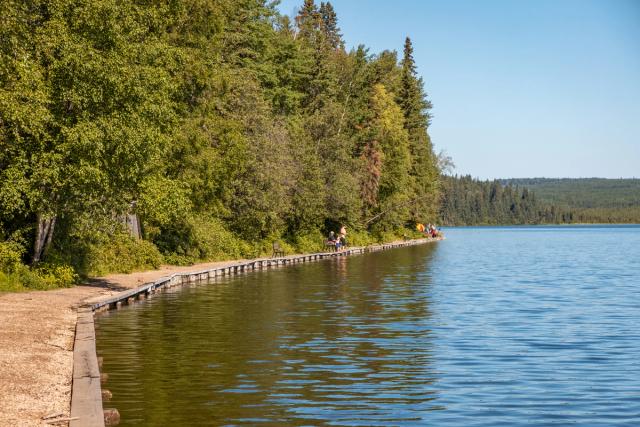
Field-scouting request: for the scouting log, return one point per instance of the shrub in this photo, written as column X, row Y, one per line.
column 176, row 259
column 213, row 242
column 360, row 238
column 10, row 282
column 389, row 236
column 311, row 241
column 121, row 253
column 10, row 256
column 43, row 277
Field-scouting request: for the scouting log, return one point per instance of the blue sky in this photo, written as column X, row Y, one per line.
column 519, row 88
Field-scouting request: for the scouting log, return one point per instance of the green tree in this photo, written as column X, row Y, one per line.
column 424, row 165
column 395, row 181
column 329, row 26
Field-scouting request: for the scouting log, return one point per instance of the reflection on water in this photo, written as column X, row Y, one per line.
column 491, row 327
column 344, row 340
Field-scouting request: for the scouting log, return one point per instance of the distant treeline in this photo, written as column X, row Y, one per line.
column 210, row 128
column 583, row 192
column 468, row 201
column 591, row 200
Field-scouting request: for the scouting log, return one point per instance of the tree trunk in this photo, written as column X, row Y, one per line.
column 47, row 244
column 133, row 224
column 44, row 236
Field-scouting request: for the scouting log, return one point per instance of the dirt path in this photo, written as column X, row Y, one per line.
column 36, row 344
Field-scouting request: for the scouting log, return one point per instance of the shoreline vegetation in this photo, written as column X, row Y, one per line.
column 134, row 135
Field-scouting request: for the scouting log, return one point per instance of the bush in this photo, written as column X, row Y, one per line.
column 43, row 277
column 10, row 256
column 121, row 253
column 15, row 276
column 46, row 276
column 175, row 259
column 213, row 242
column 202, row 238
column 359, row 238
column 312, row 241
column 389, row 236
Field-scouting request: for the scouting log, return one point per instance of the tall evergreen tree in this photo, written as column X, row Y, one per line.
column 416, row 107
column 308, row 21
column 329, row 26
column 412, row 98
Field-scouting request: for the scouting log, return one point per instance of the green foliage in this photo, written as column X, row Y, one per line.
column 120, row 254
column 584, row 193
column 589, row 200
column 10, row 256
column 222, row 126
column 360, row 238
column 311, row 241
column 163, row 202
column 467, row 201
column 213, row 242
column 15, row 276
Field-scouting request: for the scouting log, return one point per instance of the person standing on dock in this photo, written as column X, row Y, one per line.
column 333, row 241
column 343, row 235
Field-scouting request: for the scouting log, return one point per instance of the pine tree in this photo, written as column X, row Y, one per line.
column 329, row 26
column 415, row 107
column 412, row 98
column 308, row 21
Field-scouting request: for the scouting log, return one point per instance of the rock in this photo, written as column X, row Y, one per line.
column 111, row 417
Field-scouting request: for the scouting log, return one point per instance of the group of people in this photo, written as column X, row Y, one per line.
column 339, row 240
column 429, row 230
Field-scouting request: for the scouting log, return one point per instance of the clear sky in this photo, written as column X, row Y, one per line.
column 520, row 88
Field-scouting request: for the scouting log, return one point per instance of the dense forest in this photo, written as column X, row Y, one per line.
column 583, row 192
column 139, row 132
column 593, row 200
column 468, row 201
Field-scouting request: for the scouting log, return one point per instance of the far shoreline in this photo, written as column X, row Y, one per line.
column 605, row 224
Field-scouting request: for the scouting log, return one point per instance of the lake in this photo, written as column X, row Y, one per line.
column 494, row 326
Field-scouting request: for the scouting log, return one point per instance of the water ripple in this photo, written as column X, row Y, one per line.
column 493, row 327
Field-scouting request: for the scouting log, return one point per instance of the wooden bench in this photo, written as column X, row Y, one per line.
column 277, row 250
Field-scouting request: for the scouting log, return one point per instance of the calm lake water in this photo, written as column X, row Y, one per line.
column 492, row 327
